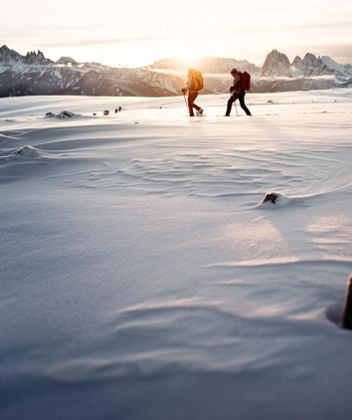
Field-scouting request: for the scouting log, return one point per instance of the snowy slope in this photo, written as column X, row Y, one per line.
column 344, row 70
column 142, row 278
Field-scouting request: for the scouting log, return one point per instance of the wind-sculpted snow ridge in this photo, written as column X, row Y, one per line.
column 23, row 162
column 6, row 139
column 182, row 337
column 282, row 261
column 25, row 153
column 26, row 162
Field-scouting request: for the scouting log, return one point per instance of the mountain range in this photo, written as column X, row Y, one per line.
column 278, row 64
column 34, row 74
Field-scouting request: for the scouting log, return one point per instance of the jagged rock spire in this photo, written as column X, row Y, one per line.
column 38, row 57
column 11, row 56
column 7, row 55
column 276, row 64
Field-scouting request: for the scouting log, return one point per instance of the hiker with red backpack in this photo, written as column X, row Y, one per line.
column 241, row 83
column 194, row 85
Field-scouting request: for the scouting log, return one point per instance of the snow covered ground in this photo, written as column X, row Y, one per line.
column 141, row 278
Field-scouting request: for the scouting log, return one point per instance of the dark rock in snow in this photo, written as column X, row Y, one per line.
column 347, row 308
column 272, row 197
column 61, row 116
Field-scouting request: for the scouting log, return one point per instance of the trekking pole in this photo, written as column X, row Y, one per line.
column 184, row 97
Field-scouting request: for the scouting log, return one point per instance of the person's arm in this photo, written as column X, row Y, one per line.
column 188, row 84
column 236, row 81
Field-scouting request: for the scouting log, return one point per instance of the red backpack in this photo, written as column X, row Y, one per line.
column 245, row 80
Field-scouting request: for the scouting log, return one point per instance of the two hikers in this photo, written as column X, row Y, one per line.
column 193, row 86
column 241, row 83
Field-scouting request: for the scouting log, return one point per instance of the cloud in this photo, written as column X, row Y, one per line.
column 324, row 25
column 93, row 42
column 341, row 53
column 314, row 26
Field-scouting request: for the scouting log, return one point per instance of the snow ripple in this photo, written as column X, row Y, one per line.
column 166, row 338
column 223, row 173
column 283, row 261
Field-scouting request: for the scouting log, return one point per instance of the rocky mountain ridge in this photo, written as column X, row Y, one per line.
column 278, row 64
column 34, row 74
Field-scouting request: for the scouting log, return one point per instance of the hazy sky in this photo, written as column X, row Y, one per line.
column 138, row 32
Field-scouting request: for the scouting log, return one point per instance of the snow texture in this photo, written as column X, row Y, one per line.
column 144, row 277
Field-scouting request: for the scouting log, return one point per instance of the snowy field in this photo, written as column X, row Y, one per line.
column 142, row 278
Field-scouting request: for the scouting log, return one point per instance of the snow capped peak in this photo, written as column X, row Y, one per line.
column 277, row 64
column 312, row 65
column 329, row 62
column 7, row 55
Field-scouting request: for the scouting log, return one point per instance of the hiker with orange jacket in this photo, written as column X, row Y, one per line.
column 241, row 83
column 193, row 86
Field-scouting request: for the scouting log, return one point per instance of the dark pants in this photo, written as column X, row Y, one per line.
column 240, row 96
column 191, row 98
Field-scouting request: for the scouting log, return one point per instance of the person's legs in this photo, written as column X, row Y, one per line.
column 229, row 104
column 243, row 105
column 190, row 104
column 191, row 98
column 195, row 106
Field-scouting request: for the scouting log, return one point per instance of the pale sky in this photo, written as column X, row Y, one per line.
column 127, row 32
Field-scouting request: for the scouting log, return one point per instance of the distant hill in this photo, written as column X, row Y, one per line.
column 208, row 65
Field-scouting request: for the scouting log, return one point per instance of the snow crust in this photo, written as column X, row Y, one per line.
column 143, row 277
